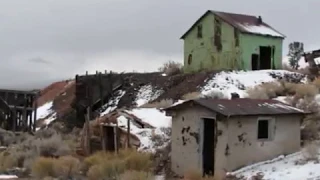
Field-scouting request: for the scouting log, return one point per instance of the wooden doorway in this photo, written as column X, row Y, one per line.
column 265, row 57
column 254, row 62
column 110, row 138
column 208, row 158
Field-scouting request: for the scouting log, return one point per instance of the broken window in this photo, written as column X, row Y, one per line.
column 189, row 59
column 199, row 34
column 236, row 37
column 263, row 129
column 217, row 34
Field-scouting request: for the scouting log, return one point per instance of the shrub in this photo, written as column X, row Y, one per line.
column 267, row 90
column 110, row 165
column 43, row 167
column 316, row 82
column 309, row 132
column 311, row 151
column 191, row 95
column 214, row 94
column 160, row 104
column 171, row 68
column 136, row 175
column 66, row 166
column 306, row 90
column 139, row 161
column 53, row 146
column 108, row 169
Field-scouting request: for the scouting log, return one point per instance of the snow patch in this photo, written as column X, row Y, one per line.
column 46, row 114
column 44, row 110
column 260, row 29
column 8, row 177
column 282, row 167
column 113, row 103
column 152, row 116
column 239, row 81
column 146, row 94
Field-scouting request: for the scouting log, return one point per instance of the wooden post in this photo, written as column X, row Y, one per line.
column 88, row 144
column 103, row 137
column 101, row 89
column 128, row 133
column 25, row 120
column 115, row 131
column 35, row 111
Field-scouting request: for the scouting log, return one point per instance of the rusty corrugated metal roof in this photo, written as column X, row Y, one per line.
column 244, row 106
column 244, row 23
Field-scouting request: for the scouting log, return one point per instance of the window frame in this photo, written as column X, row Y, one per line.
column 199, row 31
column 271, row 125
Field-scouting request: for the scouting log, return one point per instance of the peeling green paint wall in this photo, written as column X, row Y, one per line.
column 205, row 55
column 251, row 43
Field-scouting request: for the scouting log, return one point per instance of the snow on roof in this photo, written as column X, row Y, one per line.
column 152, row 116
column 245, row 106
column 317, row 60
column 261, row 30
column 155, row 118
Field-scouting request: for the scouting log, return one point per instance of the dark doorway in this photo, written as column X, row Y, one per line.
column 109, row 138
column 254, row 62
column 208, row 146
column 265, row 57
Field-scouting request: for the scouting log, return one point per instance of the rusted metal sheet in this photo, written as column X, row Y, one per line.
column 244, row 106
column 240, row 22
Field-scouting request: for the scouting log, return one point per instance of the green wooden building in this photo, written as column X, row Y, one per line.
column 220, row 40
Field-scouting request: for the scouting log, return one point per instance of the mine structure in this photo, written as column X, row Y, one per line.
column 93, row 92
column 313, row 59
column 18, row 110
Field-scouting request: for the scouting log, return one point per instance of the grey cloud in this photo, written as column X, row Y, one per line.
column 75, row 35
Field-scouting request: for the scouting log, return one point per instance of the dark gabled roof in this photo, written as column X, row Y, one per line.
column 244, row 23
column 244, row 106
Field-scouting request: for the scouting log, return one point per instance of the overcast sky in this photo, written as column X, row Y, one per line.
column 45, row 40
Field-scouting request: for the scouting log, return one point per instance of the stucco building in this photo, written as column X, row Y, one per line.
column 214, row 135
column 220, row 40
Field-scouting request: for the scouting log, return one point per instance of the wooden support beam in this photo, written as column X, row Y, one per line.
column 88, row 144
column 128, row 133
column 25, row 120
column 35, row 108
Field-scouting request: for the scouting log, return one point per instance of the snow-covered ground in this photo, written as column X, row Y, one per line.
column 238, row 81
column 46, row 114
column 146, row 94
column 283, row 168
column 8, row 177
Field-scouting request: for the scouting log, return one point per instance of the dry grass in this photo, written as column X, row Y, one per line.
column 197, row 175
column 306, row 90
column 310, row 130
column 311, row 152
column 191, row 95
column 266, row 90
column 43, row 167
column 273, row 89
column 25, row 148
column 63, row 167
column 301, row 70
column 104, row 164
column 171, row 68
column 67, row 166
column 136, row 175
column 316, row 82
column 214, row 94
column 160, row 104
